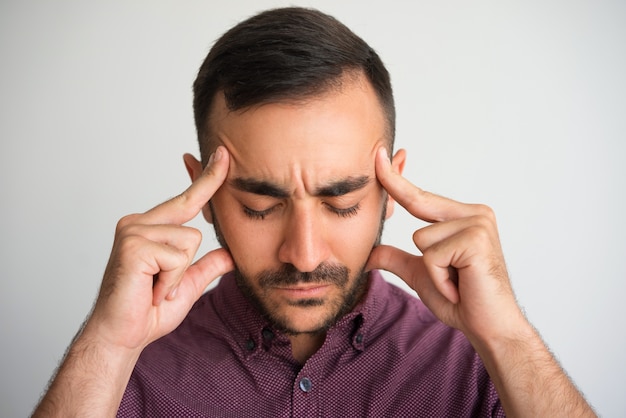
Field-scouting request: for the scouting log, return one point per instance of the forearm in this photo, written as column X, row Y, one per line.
column 529, row 380
column 90, row 382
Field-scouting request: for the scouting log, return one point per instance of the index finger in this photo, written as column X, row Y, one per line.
column 426, row 206
column 189, row 203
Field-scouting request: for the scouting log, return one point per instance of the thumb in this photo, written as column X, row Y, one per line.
column 205, row 270
column 413, row 271
column 394, row 260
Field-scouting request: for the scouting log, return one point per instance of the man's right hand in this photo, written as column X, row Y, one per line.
column 149, row 286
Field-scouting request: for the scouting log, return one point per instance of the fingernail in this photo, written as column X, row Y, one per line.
column 211, row 158
column 218, row 154
column 385, row 154
column 172, row 294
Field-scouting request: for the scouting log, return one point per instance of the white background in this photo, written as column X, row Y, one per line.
column 516, row 104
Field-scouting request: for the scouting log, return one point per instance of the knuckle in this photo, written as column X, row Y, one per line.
column 130, row 244
column 196, row 236
column 125, row 222
column 428, row 256
column 181, row 199
column 481, row 221
column 479, row 235
column 195, row 233
column 178, row 261
column 485, row 211
column 185, row 258
column 191, row 239
column 419, row 237
column 184, row 204
column 432, row 258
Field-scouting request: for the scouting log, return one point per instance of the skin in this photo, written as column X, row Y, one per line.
column 460, row 273
column 319, row 204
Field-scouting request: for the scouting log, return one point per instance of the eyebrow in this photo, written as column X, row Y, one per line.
column 341, row 187
column 331, row 189
column 260, row 187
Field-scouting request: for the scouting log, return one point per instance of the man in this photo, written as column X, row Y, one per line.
column 295, row 121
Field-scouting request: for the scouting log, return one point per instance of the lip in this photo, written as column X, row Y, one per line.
column 304, row 292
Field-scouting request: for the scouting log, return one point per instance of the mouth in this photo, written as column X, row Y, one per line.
column 309, row 291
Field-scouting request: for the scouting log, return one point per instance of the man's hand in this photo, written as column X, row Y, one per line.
column 149, row 286
column 462, row 278
column 461, row 275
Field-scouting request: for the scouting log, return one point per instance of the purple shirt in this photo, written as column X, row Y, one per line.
column 390, row 357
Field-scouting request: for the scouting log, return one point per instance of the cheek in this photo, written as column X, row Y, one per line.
column 353, row 240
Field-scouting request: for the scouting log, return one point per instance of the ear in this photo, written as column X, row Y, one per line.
column 397, row 165
column 194, row 169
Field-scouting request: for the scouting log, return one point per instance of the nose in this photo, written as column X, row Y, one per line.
column 304, row 242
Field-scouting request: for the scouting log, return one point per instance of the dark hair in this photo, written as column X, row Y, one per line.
column 280, row 55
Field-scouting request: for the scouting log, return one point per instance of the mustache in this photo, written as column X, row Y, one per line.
column 288, row 275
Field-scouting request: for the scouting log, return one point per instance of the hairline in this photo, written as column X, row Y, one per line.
column 208, row 142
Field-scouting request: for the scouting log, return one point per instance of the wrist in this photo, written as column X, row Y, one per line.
column 90, row 381
column 513, row 334
column 93, row 344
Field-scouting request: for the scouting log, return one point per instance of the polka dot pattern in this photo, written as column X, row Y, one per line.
column 390, row 357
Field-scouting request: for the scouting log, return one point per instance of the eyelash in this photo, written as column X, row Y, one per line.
column 345, row 213
column 261, row 214
column 257, row 214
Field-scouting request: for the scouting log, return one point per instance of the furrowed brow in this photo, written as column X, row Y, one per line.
column 259, row 187
column 342, row 187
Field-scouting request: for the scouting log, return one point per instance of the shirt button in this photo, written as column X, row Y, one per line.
column 268, row 335
column 306, row 384
column 250, row 344
column 359, row 338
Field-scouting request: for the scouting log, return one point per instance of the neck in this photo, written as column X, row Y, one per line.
column 303, row 346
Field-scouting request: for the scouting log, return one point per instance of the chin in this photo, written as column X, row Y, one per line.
column 310, row 320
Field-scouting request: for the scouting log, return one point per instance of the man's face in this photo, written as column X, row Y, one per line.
column 301, row 208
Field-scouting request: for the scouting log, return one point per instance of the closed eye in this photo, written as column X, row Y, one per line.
column 344, row 212
column 258, row 214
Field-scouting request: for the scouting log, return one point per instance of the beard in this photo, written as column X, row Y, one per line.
column 288, row 275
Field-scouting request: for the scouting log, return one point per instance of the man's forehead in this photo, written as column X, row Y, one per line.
column 354, row 98
column 323, row 146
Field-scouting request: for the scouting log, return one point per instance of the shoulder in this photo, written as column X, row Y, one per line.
column 404, row 320
column 407, row 343
column 406, row 333
column 389, row 305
